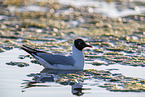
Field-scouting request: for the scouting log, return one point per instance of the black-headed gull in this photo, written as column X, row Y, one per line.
column 60, row 62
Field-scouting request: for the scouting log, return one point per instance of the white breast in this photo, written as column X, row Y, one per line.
column 78, row 56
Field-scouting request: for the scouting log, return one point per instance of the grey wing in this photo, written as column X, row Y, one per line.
column 56, row 59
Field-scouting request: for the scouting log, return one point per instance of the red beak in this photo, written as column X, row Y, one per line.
column 89, row 46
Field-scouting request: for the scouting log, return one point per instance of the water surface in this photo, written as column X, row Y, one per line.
column 12, row 80
column 111, row 9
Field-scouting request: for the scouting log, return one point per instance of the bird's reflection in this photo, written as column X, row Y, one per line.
column 72, row 78
column 58, row 72
column 77, row 89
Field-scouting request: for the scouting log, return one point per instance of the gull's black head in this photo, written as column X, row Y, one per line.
column 80, row 44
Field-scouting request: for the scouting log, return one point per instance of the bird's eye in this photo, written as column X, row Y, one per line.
column 80, row 43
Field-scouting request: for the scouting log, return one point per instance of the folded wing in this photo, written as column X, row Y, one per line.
column 56, row 59
column 48, row 57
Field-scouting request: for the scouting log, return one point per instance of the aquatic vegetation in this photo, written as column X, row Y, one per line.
column 99, row 63
column 114, row 49
column 53, row 28
column 125, row 87
column 118, row 82
column 70, row 79
column 35, row 61
column 98, row 50
column 14, row 2
column 19, row 64
column 113, row 53
column 2, row 50
column 112, row 81
column 8, row 47
column 23, row 56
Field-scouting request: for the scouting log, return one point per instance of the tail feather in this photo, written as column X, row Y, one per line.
column 28, row 50
column 28, row 47
column 33, row 49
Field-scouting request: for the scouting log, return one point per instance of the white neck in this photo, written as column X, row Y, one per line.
column 78, row 56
